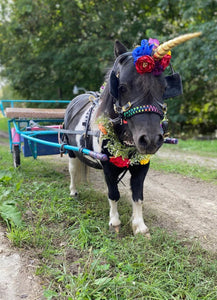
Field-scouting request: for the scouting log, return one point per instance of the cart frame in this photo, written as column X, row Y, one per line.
column 20, row 129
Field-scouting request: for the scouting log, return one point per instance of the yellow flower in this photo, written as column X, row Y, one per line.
column 169, row 53
column 144, row 161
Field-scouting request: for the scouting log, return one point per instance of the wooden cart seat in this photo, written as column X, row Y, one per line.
column 34, row 113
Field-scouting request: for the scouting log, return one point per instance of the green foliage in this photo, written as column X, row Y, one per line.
column 7, row 92
column 46, row 47
column 3, row 123
column 8, row 205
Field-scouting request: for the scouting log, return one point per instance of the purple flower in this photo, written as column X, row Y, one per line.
column 155, row 42
column 158, row 69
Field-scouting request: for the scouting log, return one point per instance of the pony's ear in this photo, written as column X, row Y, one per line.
column 119, row 48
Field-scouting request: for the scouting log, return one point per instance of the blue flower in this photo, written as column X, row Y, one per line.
column 147, row 47
column 137, row 52
column 144, row 49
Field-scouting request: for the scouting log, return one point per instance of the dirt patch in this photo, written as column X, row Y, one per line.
column 4, row 134
column 4, row 138
column 17, row 279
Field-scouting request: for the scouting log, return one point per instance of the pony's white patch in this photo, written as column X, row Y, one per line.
column 93, row 126
column 96, row 140
column 79, row 127
column 114, row 215
column 138, row 224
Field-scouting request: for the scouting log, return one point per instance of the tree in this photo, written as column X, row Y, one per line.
column 49, row 46
column 196, row 61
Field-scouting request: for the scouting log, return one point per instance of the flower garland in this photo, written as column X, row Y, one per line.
column 143, row 60
column 122, row 156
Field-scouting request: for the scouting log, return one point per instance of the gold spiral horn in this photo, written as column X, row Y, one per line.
column 163, row 49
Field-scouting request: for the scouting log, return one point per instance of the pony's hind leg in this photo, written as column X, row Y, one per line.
column 78, row 174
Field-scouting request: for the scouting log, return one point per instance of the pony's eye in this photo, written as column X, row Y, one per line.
column 122, row 89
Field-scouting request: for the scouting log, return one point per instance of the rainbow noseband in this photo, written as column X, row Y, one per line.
column 142, row 109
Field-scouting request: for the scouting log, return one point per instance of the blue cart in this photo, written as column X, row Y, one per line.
column 37, row 131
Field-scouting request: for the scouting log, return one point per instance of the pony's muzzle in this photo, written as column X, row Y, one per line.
column 150, row 144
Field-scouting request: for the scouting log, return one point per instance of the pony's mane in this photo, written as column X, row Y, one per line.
column 106, row 103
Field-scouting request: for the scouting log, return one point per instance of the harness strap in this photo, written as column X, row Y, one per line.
column 122, row 176
column 80, row 132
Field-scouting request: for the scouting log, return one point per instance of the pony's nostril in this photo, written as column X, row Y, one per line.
column 159, row 140
column 143, row 141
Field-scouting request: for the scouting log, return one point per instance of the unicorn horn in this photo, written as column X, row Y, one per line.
column 163, row 49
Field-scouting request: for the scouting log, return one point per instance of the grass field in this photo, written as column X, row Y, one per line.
column 185, row 169
column 3, row 123
column 200, row 147
column 79, row 258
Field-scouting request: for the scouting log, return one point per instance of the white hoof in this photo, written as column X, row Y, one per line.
column 114, row 221
column 141, row 228
column 73, row 193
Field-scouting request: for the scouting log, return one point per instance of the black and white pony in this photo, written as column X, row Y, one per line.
column 133, row 103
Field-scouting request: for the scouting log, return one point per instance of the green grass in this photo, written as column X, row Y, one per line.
column 3, row 123
column 185, row 169
column 80, row 259
column 200, row 147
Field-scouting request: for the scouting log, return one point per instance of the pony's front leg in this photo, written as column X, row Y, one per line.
column 138, row 174
column 111, row 176
column 114, row 221
column 138, row 224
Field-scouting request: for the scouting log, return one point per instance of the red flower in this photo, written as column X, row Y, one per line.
column 164, row 62
column 120, row 162
column 145, row 64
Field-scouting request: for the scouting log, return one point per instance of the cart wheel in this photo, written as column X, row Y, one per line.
column 16, row 156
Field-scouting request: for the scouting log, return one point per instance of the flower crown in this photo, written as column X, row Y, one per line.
column 143, row 60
